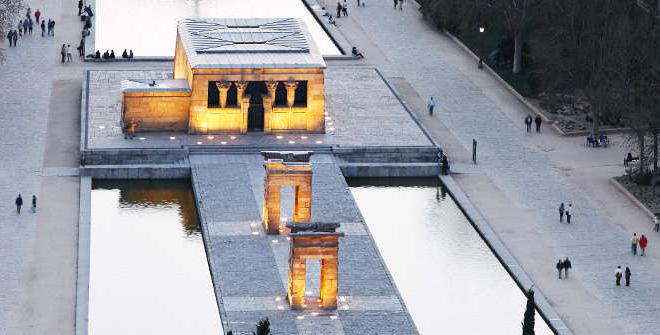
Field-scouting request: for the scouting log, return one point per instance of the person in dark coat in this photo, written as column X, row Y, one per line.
column 618, row 275
column 339, row 7
column 628, row 276
column 538, row 121
column 80, row 7
column 34, row 203
column 560, row 267
column 561, row 212
column 43, row 28
column 15, row 38
column 567, row 266
column 528, row 123
column 19, row 203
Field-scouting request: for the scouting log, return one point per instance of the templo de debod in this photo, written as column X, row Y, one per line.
column 234, row 76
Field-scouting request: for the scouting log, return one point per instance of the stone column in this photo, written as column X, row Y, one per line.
column 272, row 87
column 297, row 277
column 329, row 267
column 272, row 208
column 223, row 88
column 268, row 109
column 291, row 92
column 240, row 89
column 302, row 210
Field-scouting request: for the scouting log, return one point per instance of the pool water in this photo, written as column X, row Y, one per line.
column 448, row 277
column 148, row 268
column 148, row 27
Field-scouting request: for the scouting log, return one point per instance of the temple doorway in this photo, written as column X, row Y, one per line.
column 256, row 89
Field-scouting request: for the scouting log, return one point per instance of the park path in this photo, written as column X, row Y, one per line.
column 39, row 142
column 520, row 179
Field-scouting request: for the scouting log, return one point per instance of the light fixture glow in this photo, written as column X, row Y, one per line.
column 210, row 137
column 318, row 142
column 223, row 142
column 303, row 137
column 101, row 127
column 232, row 137
column 199, row 142
column 172, row 137
column 142, row 138
column 300, row 317
column 333, row 317
column 292, row 142
column 255, row 233
column 279, row 137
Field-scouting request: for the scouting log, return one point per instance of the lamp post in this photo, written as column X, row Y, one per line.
column 482, row 29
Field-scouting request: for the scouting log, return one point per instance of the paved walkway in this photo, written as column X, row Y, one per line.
column 521, row 179
column 246, row 282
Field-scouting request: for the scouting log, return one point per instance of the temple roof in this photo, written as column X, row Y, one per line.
column 248, row 43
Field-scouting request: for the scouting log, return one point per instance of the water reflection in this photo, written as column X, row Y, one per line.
column 149, row 26
column 447, row 275
column 148, row 267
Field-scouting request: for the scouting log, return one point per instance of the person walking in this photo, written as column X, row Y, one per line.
column 19, row 203
column 30, row 26
column 618, row 275
column 68, row 53
column 634, row 240
column 37, row 15
column 643, row 242
column 344, row 8
column 81, row 48
column 560, row 267
column 34, row 197
column 561, row 212
column 538, row 122
column 63, row 52
column 52, row 28
column 25, row 27
column 430, row 105
column 43, row 28
column 628, row 274
column 656, row 224
column 567, row 266
column 528, row 123
column 15, row 37
column 20, row 28
column 396, row 3
column 569, row 212
column 80, row 7
column 339, row 8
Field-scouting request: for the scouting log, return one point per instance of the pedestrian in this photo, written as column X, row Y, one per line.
column 643, row 242
column 396, row 3
column 37, row 14
column 569, row 212
column 633, row 243
column 445, row 165
column 344, row 8
column 561, row 212
column 81, row 48
column 30, row 25
column 339, row 8
column 10, row 37
column 560, row 267
column 63, row 52
column 628, row 276
column 28, row 12
column 430, row 105
column 15, row 38
column 80, row 7
column 20, row 28
column 68, row 53
column 43, row 28
column 48, row 26
column 130, row 54
column 34, row 197
column 538, row 121
column 400, row 4
column 567, row 266
column 358, row 3
column 19, row 203
column 25, row 27
column 52, row 28
column 528, row 123
column 618, row 275
column 656, row 224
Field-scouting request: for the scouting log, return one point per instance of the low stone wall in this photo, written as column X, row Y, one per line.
column 389, row 170
column 157, row 111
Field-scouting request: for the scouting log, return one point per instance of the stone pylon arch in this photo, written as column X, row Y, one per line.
column 313, row 241
column 286, row 168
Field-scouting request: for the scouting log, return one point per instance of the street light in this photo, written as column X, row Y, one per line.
column 481, row 39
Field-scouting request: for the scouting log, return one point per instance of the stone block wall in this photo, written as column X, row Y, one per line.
column 157, row 111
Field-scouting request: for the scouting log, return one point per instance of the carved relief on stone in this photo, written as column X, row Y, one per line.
column 240, row 89
column 272, row 87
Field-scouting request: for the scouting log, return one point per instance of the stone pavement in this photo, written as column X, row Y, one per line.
column 359, row 109
column 523, row 178
column 246, row 282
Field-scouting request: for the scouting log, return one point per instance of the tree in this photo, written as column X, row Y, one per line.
column 9, row 10
column 515, row 13
column 528, row 319
column 263, row 327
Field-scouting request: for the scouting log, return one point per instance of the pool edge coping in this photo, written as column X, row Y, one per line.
column 83, row 252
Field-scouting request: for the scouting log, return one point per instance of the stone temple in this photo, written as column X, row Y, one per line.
column 234, row 76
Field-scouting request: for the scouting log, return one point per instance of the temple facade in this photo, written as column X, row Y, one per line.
column 234, row 76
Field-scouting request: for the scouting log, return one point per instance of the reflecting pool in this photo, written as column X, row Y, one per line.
column 447, row 275
column 149, row 26
column 148, row 267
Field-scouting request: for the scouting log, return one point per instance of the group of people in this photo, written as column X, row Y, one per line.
column 563, row 267
column 537, row 120
column 618, row 274
column 66, row 52
column 568, row 211
column 640, row 241
column 19, row 203
column 110, row 54
column 26, row 26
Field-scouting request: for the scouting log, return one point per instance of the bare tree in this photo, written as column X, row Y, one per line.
column 9, row 10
